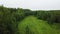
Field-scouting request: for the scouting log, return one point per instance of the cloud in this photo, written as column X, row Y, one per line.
column 32, row 4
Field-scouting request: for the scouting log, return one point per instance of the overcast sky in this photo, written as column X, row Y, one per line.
column 32, row 4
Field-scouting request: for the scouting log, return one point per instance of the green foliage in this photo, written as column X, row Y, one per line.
column 11, row 17
column 50, row 16
column 31, row 25
column 7, row 22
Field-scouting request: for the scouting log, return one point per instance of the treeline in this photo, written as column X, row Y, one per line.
column 9, row 18
column 52, row 16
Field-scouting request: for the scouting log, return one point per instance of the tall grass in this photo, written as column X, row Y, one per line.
column 31, row 25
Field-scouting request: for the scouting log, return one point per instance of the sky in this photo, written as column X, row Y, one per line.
column 32, row 4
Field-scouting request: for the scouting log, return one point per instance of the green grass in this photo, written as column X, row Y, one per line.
column 36, row 26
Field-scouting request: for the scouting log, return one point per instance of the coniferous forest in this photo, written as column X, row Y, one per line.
column 26, row 21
